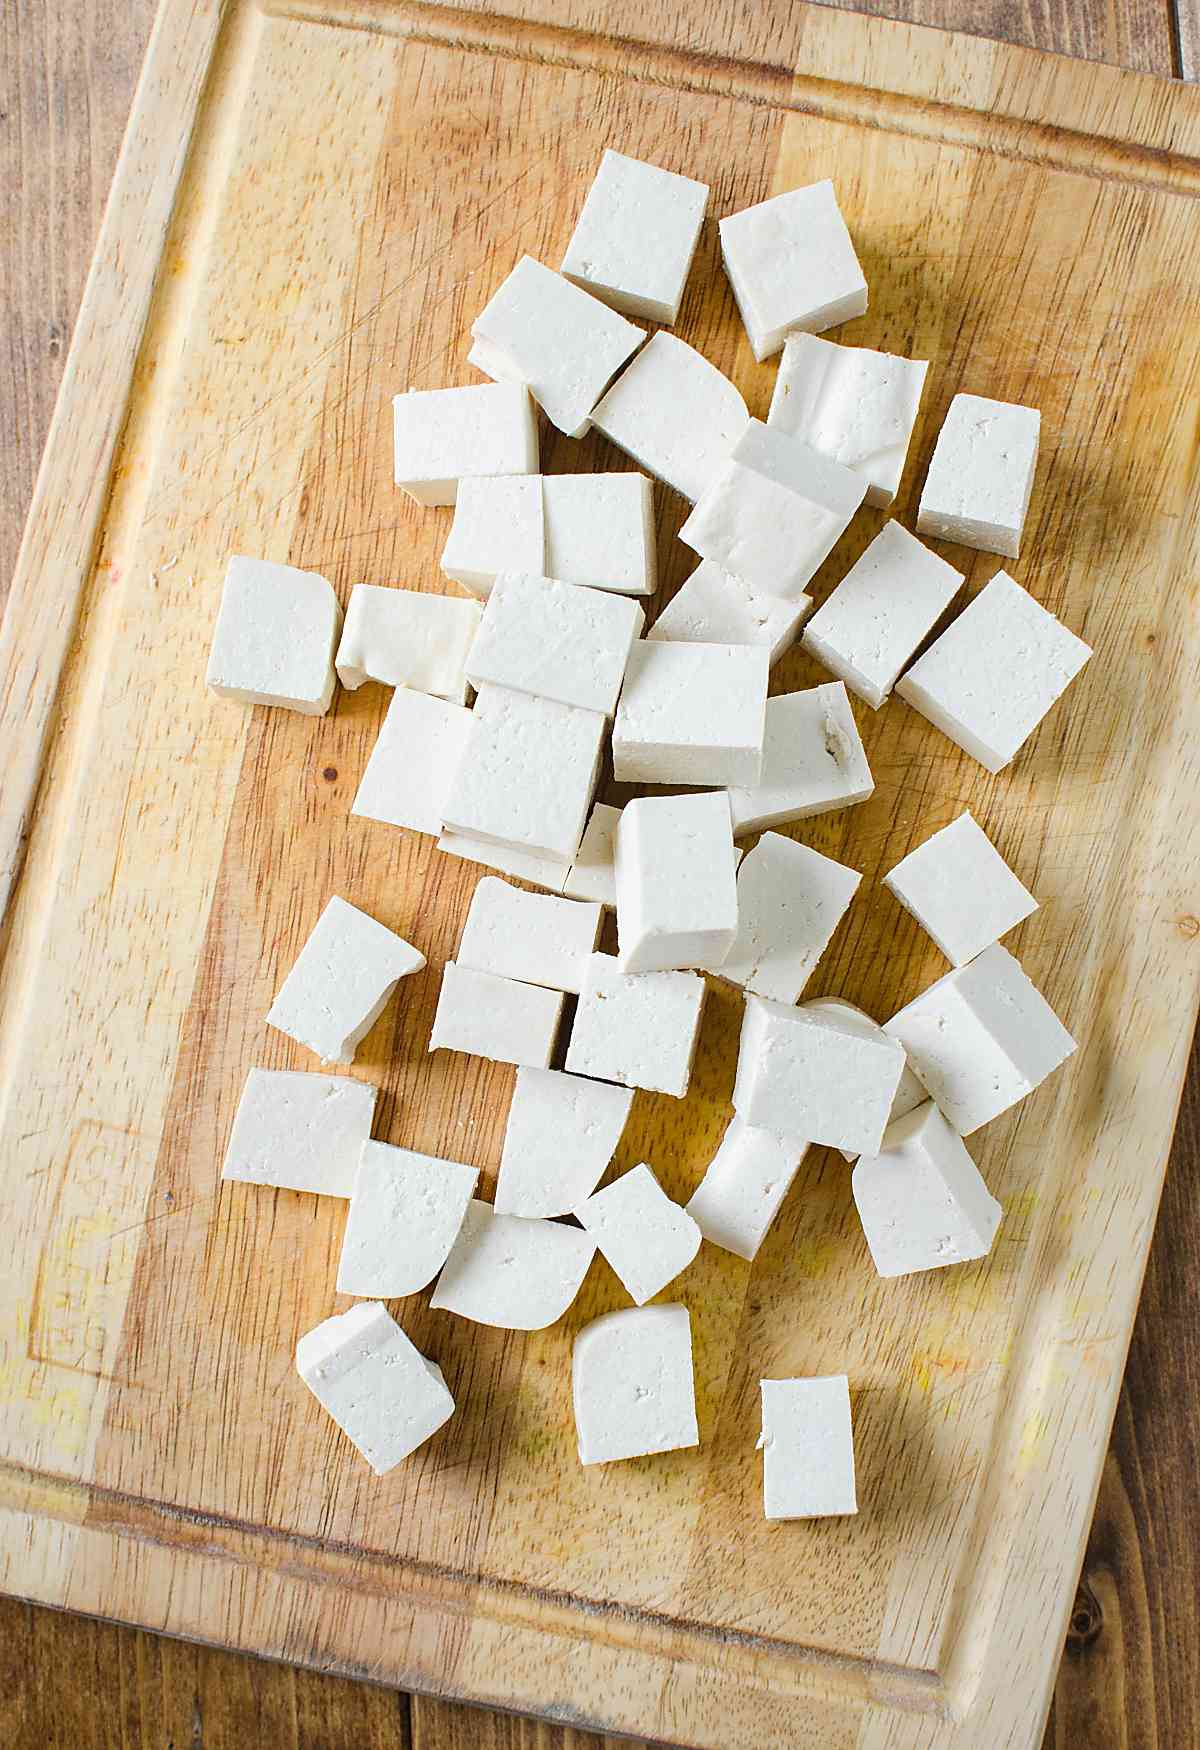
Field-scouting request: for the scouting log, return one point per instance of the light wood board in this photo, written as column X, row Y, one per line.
column 311, row 206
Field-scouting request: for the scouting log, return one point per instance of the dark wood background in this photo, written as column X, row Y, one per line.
column 1130, row 1673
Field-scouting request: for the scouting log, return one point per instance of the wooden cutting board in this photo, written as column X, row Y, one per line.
column 313, row 202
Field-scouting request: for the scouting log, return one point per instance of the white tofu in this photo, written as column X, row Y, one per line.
column 980, row 478
column 517, row 1275
column 497, row 1018
column 960, row 890
column 562, row 1132
column 535, row 937
column 600, row 532
column 921, row 1199
column 813, row 761
column 528, row 774
column 300, row 1132
column 635, row 237
column 790, row 900
column 909, row 1092
column 341, row 981
column 807, row 1445
column 691, row 714
column 812, row 1077
column 384, row 1395
column 882, row 611
column 639, row 1029
column 407, row 639
column 675, row 414
column 564, row 345
column 645, row 1237
column 773, row 512
column 405, row 1213
column 991, row 677
column 499, row 525
column 744, row 1186
column 855, row 406
column 545, row 872
column 275, row 636
column 412, row 765
column 677, row 902
column 715, row 607
column 556, row 641
column 443, row 435
column 632, row 1384
column 593, row 873
column 792, row 265
column 981, row 1038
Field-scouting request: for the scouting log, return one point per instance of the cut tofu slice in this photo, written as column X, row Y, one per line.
column 909, row 1092
column 635, row 237
column 562, row 1132
column 275, row 636
column 980, row 477
column 807, row 1445
column 744, row 1186
column 921, row 1199
column 555, row 640
column 790, row 900
column 792, row 266
column 960, row 890
column 533, row 937
column 593, row 873
column 300, row 1132
column 497, row 1018
column 405, row 1212
column 341, row 982
column 676, row 882
column 405, row 638
column 600, row 532
column 645, row 1237
column 632, row 1384
column 442, row 435
column 639, row 1029
column 811, row 1077
column 499, row 525
column 714, row 607
column 855, row 406
column 413, row 763
column 517, row 1275
column 691, row 714
column 813, row 761
column 384, row 1395
column 675, row 414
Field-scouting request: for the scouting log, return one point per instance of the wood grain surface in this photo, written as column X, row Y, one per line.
column 1130, row 1672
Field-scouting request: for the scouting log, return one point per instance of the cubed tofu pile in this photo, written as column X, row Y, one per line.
column 509, row 701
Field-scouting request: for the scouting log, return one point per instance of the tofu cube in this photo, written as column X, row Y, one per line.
column 994, row 673
column 645, row 1237
column 813, row 761
column 545, row 872
column 921, row 1199
column 384, row 1395
column 792, row 265
column 593, row 873
column 807, row 1445
column 556, row 641
column 600, row 531
column 853, row 405
column 562, row 344
column 676, row 881
column 512, row 1274
column 299, row 1131
column 774, row 511
column 675, row 414
column 981, row 1038
column 340, row 984
column 405, row 1213
column 691, row 714
column 790, row 900
column 443, row 435
column 744, row 1186
column 882, row 611
column 715, row 607
column 275, row 636
column 909, row 1092
column 414, row 761
column 960, row 890
column 980, row 478
column 635, row 237
column 497, row 1018
column 528, row 773
column 562, row 1132
column 406, row 638
column 632, row 1384
column 534, row 937
column 499, row 525
column 811, row 1078
column 639, row 1029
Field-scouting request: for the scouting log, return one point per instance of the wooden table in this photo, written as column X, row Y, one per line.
column 1131, row 1670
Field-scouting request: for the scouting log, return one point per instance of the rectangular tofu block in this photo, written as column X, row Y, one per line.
column 534, row 937
column 545, row 872
column 790, row 900
column 528, row 773
column 384, row 1395
column 981, row 1038
column 792, row 265
column 715, row 607
column 691, row 714
column 441, row 435
column 406, row 638
column 300, row 1132
column 813, row 761
column 853, row 405
column 677, row 897
column 882, row 611
column 405, row 1213
column 555, row 640
column 806, row 1076
column 632, row 1384
column 644, row 1237
column 340, row 984
column 960, row 890
column 921, row 1199
column 562, row 1132
column 980, row 478
column 496, row 1018
column 639, row 1029
column 413, row 763
column 563, row 344
column 275, row 636
column 635, row 237
column 910, row 1093
column 593, row 873
column 600, row 532
column 773, row 513
column 744, row 1186
column 498, row 526
column 674, row 413
column 994, row 673
column 807, row 1445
